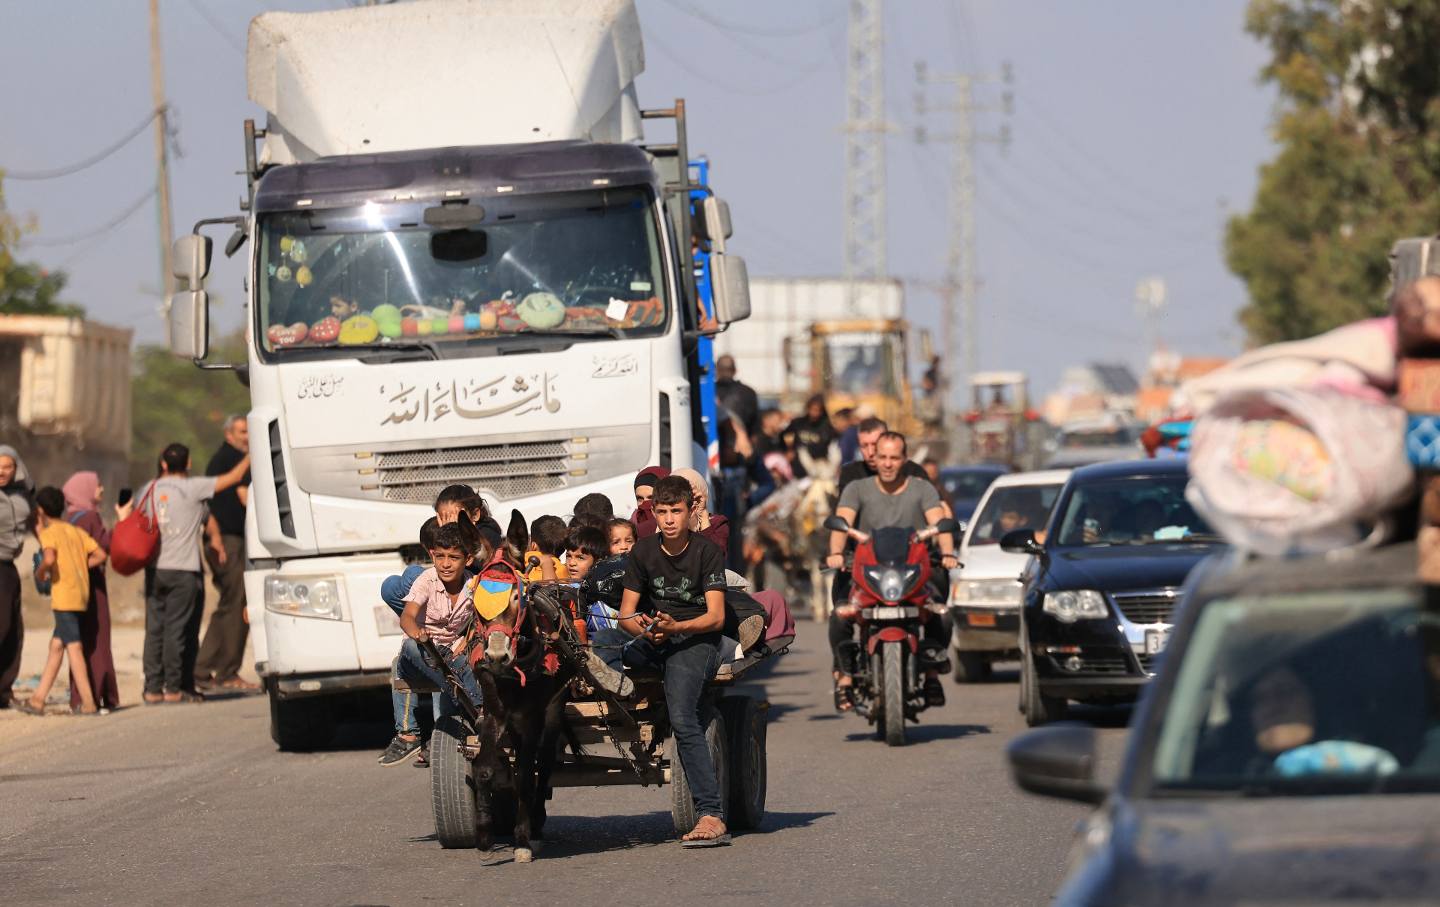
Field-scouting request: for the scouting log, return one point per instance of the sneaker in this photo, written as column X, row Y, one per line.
column 608, row 677
column 399, row 750
column 934, row 692
column 750, row 630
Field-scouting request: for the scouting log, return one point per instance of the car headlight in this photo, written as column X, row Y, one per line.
column 303, row 596
column 1073, row 605
column 988, row 591
column 893, row 583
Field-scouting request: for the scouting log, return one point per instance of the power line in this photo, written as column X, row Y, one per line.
column 216, row 26
column 769, row 88
column 793, row 31
column 92, row 160
column 111, row 224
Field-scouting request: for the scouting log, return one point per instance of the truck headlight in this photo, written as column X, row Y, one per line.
column 1074, row 605
column 303, row 596
column 986, row 591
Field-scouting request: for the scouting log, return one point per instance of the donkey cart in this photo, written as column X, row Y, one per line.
column 594, row 739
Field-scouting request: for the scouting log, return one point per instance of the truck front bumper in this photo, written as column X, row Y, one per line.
column 296, row 686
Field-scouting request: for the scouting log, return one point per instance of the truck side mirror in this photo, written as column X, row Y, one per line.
column 190, row 260
column 731, row 287
column 714, row 223
column 190, row 323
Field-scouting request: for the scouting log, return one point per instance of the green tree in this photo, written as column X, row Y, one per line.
column 1358, row 126
column 172, row 400
column 27, row 289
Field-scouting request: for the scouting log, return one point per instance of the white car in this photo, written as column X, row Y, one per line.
column 985, row 596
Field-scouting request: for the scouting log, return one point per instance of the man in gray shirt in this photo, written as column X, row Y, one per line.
column 890, row 498
column 174, row 586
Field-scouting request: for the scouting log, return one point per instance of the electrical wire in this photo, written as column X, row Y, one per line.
column 92, row 160
column 767, row 89
column 109, row 225
column 217, row 26
column 793, row 31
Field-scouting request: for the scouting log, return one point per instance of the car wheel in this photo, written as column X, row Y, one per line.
column 1038, row 708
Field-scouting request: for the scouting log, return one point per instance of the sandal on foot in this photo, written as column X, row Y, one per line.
column 28, row 707
column 843, row 702
column 183, row 696
column 720, row 840
column 153, row 698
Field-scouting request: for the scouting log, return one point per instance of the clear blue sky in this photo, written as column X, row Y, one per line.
column 1134, row 122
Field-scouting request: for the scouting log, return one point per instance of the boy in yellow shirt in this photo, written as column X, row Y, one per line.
column 69, row 553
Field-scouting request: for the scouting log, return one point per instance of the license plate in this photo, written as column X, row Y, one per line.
column 1155, row 641
column 891, row 613
column 981, row 620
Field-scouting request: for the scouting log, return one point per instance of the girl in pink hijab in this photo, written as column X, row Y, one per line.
column 83, row 492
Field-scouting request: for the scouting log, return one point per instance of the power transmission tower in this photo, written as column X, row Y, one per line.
column 960, row 285
column 865, row 129
column 162, row 159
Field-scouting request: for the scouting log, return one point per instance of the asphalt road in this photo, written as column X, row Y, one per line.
column 192, row 804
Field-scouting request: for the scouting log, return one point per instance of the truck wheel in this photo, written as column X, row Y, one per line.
column 682, row 802
column 745, row 727
column 1038, row 708
column 452, row 786
column 300, row 725
column 971, row 667
column 894, row 693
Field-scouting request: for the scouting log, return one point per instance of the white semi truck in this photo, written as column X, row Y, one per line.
column 464, row 266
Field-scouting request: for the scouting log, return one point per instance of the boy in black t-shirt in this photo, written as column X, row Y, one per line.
column 671, row 616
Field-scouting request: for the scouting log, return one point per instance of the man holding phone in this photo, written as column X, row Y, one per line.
column 674, row 607
column 223, row 650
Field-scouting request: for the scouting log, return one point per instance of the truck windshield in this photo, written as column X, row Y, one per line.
column 1324, row 692
column 560, row 268
column 863, row 364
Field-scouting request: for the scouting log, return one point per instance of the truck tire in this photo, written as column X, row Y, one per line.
column 971, row 667
column 301, row 725
column 682, row 802
column 745, row 729
column 893, row 668
column 452, row 786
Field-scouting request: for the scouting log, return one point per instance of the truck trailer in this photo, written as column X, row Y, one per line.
column 464, row 266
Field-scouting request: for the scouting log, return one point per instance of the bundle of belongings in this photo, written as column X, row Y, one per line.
column 1301, row 447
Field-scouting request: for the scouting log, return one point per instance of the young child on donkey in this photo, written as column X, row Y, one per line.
column 671, row 616
column 437, row 608
column 68, row 554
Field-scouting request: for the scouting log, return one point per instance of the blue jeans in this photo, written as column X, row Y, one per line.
column 412, row 667
column 688, row 665
column 393, row 590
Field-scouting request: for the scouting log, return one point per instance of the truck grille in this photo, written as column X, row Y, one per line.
column 506, row 471
column 1154, row 607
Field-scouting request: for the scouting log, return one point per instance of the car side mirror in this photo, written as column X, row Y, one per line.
column 1056, row 761
column 1020, row 541
column 730, row 285
column 836, row 524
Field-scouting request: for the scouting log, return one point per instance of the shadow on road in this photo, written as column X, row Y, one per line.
column 924, row 733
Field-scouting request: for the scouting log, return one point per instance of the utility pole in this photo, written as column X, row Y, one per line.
column 865, row 129
column 162, row 160
column 959, row 287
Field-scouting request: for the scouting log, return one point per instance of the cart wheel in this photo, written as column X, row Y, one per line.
column 745, row 727
column 682, row 803
column 452, row 785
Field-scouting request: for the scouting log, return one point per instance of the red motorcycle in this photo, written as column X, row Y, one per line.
column 890, row 601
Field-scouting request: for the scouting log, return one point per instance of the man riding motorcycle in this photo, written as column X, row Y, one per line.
column 890, row 498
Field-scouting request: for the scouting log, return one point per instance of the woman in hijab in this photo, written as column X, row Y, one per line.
column 16, row 498
column 813, row 431
column 713, row 526
column 644, row 517
column 83, row 492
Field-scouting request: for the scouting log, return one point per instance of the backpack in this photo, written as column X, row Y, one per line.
column 136, row 539
column 44, row 586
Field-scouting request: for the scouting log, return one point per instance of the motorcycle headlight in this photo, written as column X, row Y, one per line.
column 303, row 596
column 893, row 583
column 987, row 591
column 1076, row 604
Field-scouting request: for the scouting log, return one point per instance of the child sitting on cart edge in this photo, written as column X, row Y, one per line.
column 437, row 608
column 671, row 616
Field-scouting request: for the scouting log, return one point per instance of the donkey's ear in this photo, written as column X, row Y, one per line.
column 517, row 534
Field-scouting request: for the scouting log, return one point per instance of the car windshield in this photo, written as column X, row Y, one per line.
column 1013, row 507
column 1314, row 693
column 967, row 484
column 1130, row 511
column 566, row 266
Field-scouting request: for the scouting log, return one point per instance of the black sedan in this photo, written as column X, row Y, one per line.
column 1288, row 752
column 1104, row 583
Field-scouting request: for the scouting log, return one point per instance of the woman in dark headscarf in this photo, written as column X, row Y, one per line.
column 713, row 526
column 82, row 501
column 644, row 517
column 16, row 507
column 812, row 431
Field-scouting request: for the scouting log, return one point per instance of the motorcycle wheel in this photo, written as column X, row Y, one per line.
column 893, row 671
